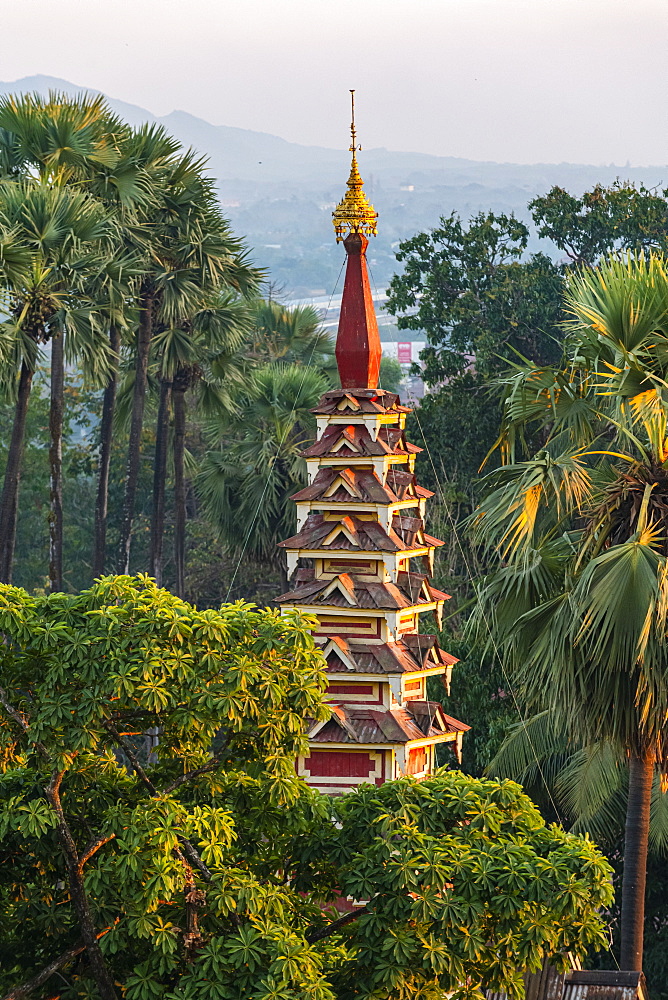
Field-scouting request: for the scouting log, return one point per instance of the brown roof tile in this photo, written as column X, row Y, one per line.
column 432, row 720
column 411, row 654
column 400, row 725
column 385, row 658
column 353, row 441
column 360, row 401
column 411, row 531
column 412, row 583
column 366, row 535
column 420, row 646
column 406, row 593
column 364, row 485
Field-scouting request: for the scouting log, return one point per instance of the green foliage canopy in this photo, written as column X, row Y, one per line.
column 203, row 867
column 619, row 217
column 469, row 289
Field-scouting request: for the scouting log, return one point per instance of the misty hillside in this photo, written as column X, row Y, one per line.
column 280, row 194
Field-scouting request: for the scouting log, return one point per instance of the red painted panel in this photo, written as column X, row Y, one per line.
column 339, row 764
column 349, row 626
column 417, row 760
column 350, row 689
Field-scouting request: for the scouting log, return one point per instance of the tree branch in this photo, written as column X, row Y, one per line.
column 74, row 864
column 134, row 760
column 190, row 775
column 20, row 720
column 189, row 849
column 193, row 857
column 26, row 988
column 78, row 894
column 336, row 925
column 95, row 846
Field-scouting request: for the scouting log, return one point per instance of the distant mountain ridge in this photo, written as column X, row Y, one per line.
column 246, row 149
column 284, row 160
column 280, row 194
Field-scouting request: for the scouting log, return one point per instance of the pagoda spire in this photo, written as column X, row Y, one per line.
column 358, row 349
column 362, row 559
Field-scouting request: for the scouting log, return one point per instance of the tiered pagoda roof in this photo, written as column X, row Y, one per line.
column 414, row 653
column 352, row 559
column 355, row 441
column 361, row 401
column 340, row 485
column 350, row 533
column 347, row 590
column 399, row 725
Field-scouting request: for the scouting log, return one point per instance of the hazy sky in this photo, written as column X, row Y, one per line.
column 521, row 80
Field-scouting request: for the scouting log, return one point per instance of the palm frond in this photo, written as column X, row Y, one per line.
column 623, row 301
column 528, row 498
column 532, row 752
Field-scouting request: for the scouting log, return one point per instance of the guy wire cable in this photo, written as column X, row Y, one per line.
column 471, row 577
column 458, row 540
column 281, row 442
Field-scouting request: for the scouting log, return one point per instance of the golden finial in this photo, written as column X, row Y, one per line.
column 354, row 213
column 353, row 133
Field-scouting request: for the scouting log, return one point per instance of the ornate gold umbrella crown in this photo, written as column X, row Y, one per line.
column 354, row 213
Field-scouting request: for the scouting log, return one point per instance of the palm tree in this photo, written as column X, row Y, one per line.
column 189, row 251
column 63, row 141
column 245, row 482
column 578, row 605
column 204, row 353
column 292, row 335
column 56, row 138
column 129, row 187
column 586, row 782
column 62, row 231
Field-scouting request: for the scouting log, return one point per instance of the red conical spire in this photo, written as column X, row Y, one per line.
column 357, row 343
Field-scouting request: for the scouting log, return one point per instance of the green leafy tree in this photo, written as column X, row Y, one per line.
column 477, row 300
column 619, row 217
column 578, row 599
column 478, row 693
column 391, row 374
column 205, row 867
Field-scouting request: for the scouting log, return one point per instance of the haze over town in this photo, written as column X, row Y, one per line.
column 508, row 80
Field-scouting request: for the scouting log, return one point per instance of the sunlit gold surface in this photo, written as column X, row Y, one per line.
column 354, row 213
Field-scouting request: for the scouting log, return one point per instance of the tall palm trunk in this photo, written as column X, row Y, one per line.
column 10, row 491
column 106, row 427
column 159, row 476
column 56, row 462
column 641, row 776
column 180, row 387
column 144, row 334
